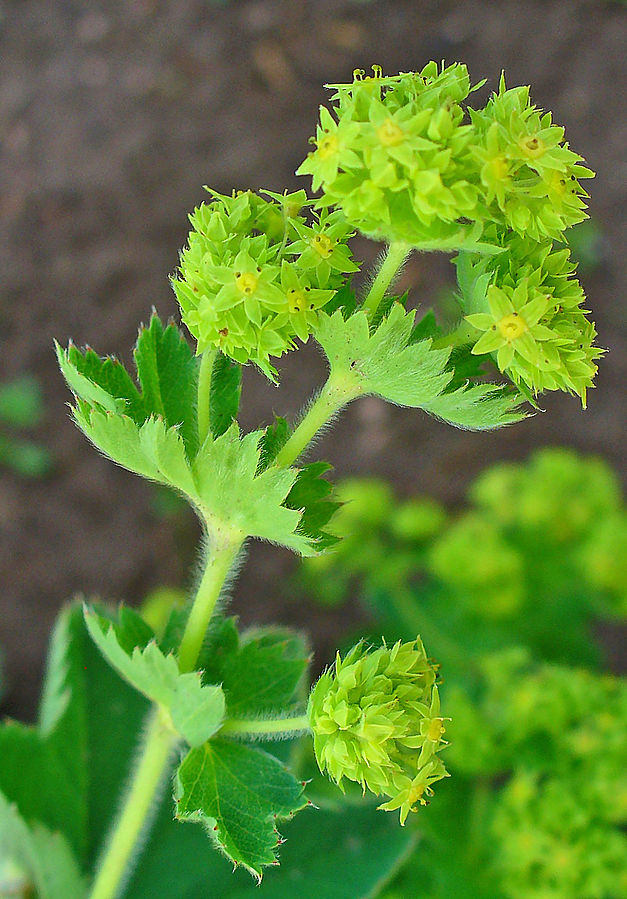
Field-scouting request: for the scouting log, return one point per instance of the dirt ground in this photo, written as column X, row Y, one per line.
column 113, row 116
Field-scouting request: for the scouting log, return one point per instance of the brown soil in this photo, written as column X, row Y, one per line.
column 113, row 115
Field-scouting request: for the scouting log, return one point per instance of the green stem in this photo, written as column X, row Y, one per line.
column 396, row 254
column 159, row 743
column 220, row 561
column 203, row 410
column 335, row 394
column 254, row 726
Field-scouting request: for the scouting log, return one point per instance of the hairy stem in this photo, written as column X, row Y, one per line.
column 397, row 253
column 153, row 763
column 335, row 394
column 150, row 773
column 254, row 726
column 220, row 560
column 204, row 388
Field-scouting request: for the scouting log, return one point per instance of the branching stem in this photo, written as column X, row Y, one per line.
column 396, row 255
column 334, row 395
column 259, row 726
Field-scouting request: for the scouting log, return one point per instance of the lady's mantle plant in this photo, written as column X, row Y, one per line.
column 405, row 161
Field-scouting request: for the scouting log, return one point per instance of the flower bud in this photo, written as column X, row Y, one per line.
column 376, row 720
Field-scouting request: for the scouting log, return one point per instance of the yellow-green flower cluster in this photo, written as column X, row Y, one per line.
column 376, row 720
column 395, row 155
column 406, row 161
column 528, row 306
column 530, row 177
column 255, row 273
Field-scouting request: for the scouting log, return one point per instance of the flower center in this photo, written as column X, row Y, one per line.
column 295, row 300
column 435, row 729
column 246, row 282
column 322, row 245
column 500, row 168
column 512, row 326
column 532, row 146
column 328, row 146
column 390, row 134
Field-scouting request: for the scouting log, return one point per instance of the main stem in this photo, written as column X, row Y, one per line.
column 159, row 743
column 204, row 389
column 397, row 253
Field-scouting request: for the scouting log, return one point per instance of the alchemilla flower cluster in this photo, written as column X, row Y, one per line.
column 376, row 720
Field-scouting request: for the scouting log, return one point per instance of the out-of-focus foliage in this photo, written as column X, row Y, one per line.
column 21, row 409
column 506, row 594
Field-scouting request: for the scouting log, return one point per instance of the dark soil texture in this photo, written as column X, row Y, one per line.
column 113, row 116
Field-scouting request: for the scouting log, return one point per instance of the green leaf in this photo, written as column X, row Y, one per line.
column 342, row 853
column 151, row 450
column 226, row 387
column 21, row 402
column 197, row 710
column 260, row 674
column 238, row 793
column 168, row 374
column 386, row 363
column 44, row 858
column 272, row 442
column 231, row 492
column 310, row 494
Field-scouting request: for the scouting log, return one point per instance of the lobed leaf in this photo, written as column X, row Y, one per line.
column 261, row 673
column 311, row 495
column 390, row 363
column 238, row 792
column 197, row 710
column 226, row 387
column 45, row 859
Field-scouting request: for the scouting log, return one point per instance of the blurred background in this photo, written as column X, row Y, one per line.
column 113, row 115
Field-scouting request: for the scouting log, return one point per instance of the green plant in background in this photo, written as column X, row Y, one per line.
column 21, row 408
column 506, row 594
column 402, row 159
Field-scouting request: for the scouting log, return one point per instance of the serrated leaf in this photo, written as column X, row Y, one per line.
column 259, row 674
column 311, row 494
column 273, row 440
column 224, row 395
column 241, row 791
column 197, row 710
column 168, row 372
column 478, row 407
column 44, row 857
column 150, row 450
column 386, row 363
column 232, row 493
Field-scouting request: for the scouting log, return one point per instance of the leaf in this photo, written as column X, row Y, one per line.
column 241, row 791
column 167, row 371
column 260, row 674
column 151, row 450
column 272, row 442
column 197, row 710
column 386, row 363
column 478, row 407
column 224, row 396
column 310, row 494
column 45, row 858
column 231, row 492
column 168, row 374
column 344, row 853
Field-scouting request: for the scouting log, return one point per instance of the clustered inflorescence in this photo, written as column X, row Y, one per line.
column 254, row 274
column 376, row 720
